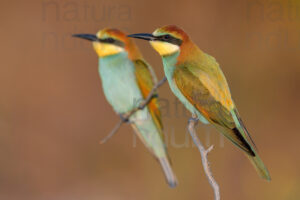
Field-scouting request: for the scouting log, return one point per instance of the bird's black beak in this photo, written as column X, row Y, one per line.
column 89, row 37
column 143, row 36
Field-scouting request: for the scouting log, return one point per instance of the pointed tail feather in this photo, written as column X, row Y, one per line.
column 170, row 176
column 159, row 152
column 260, row 167
column 249, row 147
column 255, row 159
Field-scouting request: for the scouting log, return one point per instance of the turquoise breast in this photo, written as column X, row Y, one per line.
column 119, row 84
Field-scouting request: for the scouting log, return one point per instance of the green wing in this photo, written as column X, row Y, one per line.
column 210, row 105
column 204, row 86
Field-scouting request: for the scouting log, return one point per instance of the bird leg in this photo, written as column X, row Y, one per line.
column 124, row 118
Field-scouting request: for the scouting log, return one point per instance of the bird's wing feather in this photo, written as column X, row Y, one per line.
column 146, row 82
column 208, row 71
column 203, row 91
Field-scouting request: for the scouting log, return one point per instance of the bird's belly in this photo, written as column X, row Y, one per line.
column 120, row 87
column 121, row 96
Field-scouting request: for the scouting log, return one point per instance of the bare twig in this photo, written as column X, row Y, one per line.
column 191, row 127
column 141, row 106
column 115, row 129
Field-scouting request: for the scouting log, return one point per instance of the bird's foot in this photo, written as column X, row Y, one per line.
column 194, row 118
column 124, row 118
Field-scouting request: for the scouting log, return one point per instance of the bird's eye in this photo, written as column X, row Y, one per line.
column 167, row 37
column 110, row 40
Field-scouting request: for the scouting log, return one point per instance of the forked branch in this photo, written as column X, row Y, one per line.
column 191, row 127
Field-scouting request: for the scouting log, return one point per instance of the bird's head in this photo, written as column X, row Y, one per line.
column 165, row 40
column 110, row 41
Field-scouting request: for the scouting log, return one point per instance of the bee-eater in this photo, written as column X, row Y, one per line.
column 197, row 80
column 126, row 80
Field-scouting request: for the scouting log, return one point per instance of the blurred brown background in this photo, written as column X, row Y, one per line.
column 53, row 112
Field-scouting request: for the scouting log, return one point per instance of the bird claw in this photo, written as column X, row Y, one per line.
column 195, row 119
column 124, row 118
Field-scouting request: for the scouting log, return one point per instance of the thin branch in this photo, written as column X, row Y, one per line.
column 115, row 129
column 191, row 127
column 141, row 106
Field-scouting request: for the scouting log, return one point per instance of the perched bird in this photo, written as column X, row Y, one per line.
column 126, row 80
column 197, row 80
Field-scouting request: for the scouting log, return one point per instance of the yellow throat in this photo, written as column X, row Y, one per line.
column 103, row 49
column 164, row 48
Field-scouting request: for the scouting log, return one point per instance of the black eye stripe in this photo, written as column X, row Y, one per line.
column 169, row 38
column 109, row 40
column 112, row 41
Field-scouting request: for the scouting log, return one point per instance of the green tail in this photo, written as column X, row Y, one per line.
column 259, row 166
column 253, row 156
column 238, row 137
column 153, row 139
